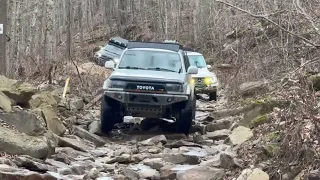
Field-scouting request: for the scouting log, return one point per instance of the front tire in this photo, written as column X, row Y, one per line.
column 213, row 96
column 184, row 122
column 110, row 114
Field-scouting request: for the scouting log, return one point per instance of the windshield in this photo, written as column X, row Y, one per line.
column 113, row 49
column 197, row 60
column 151, row 60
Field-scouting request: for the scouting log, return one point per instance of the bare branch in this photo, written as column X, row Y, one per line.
column 272, row 22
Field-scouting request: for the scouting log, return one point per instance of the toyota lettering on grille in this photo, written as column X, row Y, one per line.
column 145, row 88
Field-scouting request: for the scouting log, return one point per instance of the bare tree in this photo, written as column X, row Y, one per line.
column 3, row 39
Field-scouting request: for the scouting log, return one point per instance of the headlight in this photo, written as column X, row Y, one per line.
column 116, row 84
column 214, row 79
column 98, row 55
column 174, row 87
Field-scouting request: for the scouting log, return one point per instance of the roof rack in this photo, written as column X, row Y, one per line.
column 188, row 49
column 119, row 41
column 157, row 45
column 170, row 41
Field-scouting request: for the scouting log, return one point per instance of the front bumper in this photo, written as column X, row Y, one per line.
column 146, row 98
column 205, row 89
column 146, row 104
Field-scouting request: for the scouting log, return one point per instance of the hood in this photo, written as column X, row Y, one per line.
column 203, row 72
column 108, row 53
column 147, row 75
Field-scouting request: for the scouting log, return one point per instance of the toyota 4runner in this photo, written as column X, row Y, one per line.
column 111, row 51
column 151, row 80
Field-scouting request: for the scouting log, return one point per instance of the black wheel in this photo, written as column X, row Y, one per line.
column 198, row 96
column 184, row 122
column 110, row 114
column 194, row 109
column 213, row 96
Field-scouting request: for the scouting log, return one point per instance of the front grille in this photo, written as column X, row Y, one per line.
column 199, row 80
column 105, row 58
column 145, row 87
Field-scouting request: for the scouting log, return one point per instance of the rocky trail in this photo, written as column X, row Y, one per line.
column 54, row 138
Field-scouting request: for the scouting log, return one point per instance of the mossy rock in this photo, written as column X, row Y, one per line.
column 260, row 107
column 258, row 121
column 271, row 149
column 315, row 80
column 267, row 104
column 273, row 137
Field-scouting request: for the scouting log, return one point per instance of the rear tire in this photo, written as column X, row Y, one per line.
column 184, row 122
column 213, row 96
column 110, row 115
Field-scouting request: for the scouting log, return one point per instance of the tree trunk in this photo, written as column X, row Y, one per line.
column 3, row 38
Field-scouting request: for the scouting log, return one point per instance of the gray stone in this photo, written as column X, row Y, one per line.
column 154, row 140
column 219, row 134
column 201, row 173
column 218, row 125
column 25, row 122
column 17, row 143
column 240, row 134
column 97, row 140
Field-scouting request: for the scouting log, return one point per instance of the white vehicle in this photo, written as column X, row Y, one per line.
column 151, row 80
column 205, row 81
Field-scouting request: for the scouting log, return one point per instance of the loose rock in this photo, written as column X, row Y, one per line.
column 240, row 135
column 17, row 143
column 97, row 140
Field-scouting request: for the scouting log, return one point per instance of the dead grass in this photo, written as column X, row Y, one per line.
column 297, row 134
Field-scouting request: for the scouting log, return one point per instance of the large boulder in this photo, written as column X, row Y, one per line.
column 240, row 134
column 16, row 143
column 251, row 88
column 44, row 97
column 14, row 173
column 315, row 79
column 258, row 174
column 201, row 173
column 254, row 113
column 5, row 103
column 53, row 122
column 18, row 91
column 25, row 122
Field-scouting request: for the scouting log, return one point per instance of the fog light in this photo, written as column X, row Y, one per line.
column 119, row 96
column 207, row 81
column 169, row 99
column 192, row 81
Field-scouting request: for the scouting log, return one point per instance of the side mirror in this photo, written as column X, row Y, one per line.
column 192, row 70
column 209, row 66
column 109, row 65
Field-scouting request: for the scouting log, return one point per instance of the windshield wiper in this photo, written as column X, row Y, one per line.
column 161, row 69
column 131, row 67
